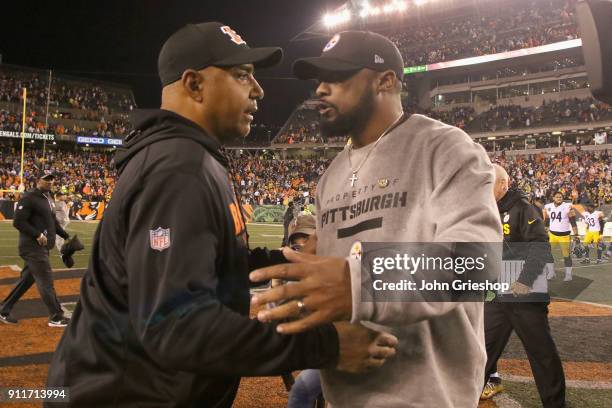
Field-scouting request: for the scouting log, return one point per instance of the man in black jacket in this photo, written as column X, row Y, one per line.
column 525, row 308
column 35, row 219
column 163, row 316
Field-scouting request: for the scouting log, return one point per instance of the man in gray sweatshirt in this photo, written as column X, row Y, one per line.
column 400, row 179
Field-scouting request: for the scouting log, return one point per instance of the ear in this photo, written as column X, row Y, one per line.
column 386, row 81
column 192, row 82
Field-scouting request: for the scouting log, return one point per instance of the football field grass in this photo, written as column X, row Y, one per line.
column 269, row 235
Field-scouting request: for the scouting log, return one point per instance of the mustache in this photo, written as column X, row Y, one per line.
column 321, row 104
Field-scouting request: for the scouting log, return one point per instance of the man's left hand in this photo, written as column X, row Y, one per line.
column 519, row 289
column 322, row 288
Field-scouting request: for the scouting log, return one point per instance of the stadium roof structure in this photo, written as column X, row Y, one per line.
column 319, row 30
column 531, row 56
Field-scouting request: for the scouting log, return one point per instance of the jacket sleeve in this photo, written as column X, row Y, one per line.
column 173, row 302
column 534, row 235
column 464, row 210
column 22, row 218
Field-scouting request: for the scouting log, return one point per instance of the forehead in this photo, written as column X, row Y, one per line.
column 345, row 77
column 225, row 71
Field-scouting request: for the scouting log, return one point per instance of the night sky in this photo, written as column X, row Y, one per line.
column 119, row 41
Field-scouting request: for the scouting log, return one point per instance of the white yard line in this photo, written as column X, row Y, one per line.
column 503, row 400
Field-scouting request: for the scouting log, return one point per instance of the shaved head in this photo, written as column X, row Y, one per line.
column 502, row 181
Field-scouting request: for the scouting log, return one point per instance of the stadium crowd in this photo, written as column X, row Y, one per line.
column 74, row 108
column 65, row 93
column 303, row 128
column 581, row 176
column 84, row 175
column 65, row 123
column 263, row 179
column 549, row 113
column 499, row 117
column 512, row 27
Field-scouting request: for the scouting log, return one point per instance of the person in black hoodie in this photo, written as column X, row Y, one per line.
column 163, row 316
column 35, row 219
column 525, row 308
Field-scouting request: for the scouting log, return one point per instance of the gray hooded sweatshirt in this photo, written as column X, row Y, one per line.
column 425, row 181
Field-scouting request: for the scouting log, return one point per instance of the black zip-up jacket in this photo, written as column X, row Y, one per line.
column 33, row 216
column 163, row 316
column 525, row 237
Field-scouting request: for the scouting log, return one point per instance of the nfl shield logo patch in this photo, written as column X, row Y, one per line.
column 160, row 238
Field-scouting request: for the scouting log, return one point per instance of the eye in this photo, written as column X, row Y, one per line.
column 243, row 76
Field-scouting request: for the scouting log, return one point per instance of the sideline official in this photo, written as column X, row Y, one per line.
column 525, row 310
column 35, row 219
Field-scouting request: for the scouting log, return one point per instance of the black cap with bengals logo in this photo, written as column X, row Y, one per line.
column 352, row 51
column 197, row 46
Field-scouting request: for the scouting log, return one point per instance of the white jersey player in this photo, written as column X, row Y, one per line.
column 562, row 223
column 595, row 222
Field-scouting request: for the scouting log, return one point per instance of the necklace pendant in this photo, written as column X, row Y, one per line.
column 353, row 179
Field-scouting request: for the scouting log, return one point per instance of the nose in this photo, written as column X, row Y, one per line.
column 257, row 91
column 323, row 90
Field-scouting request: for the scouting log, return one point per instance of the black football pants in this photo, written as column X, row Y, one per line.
column 37, row 269
column 530, row 321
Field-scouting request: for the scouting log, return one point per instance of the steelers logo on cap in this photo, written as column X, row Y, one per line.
column 332, row 43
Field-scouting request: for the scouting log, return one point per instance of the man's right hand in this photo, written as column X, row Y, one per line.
column 362, row 349
column 42, row 240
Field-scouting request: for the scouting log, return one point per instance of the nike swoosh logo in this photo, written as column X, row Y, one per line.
column 531, row 222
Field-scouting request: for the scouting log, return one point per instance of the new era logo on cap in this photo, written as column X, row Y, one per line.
column 378, row 59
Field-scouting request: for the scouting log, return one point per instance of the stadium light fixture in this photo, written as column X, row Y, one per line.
column 328, row 20
column 388, row 8
column 332, row 20
column 419, row 2
column 401, row 6
column 364, row 13
column 374, row 11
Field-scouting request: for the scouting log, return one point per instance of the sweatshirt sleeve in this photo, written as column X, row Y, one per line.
column 535, row 237
column 173, row 302
column 464, row 209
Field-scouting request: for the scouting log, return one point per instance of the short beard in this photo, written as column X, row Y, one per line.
column 352, row 122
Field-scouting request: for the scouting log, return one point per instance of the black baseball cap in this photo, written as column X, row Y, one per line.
column 197, row 46
column 351, row 51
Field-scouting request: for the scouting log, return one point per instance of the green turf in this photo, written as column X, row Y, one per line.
column 596, row 280
column 260, row 235
column 527, row 395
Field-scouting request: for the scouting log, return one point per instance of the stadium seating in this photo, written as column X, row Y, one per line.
column 508, row 26
column 75, row 106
